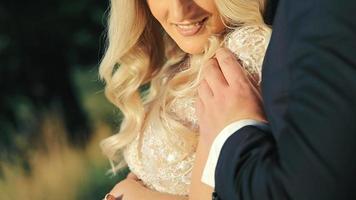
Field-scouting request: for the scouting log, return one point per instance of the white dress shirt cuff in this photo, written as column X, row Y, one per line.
column 208, row 176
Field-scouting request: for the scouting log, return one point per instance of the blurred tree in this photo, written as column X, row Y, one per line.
column 40, row 42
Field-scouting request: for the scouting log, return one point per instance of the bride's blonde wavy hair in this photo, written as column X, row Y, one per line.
column 140, row 52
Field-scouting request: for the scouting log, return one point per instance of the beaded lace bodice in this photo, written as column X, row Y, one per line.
column 158, row 164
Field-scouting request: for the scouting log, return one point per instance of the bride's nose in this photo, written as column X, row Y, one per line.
column 179, row 9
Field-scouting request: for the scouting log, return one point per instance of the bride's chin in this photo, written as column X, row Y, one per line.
column 192, row 49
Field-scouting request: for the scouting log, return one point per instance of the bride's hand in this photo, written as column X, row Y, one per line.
column 130, row 188
column 133, row 177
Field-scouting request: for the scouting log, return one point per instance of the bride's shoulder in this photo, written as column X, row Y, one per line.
column 255, row 35
column 249, row 43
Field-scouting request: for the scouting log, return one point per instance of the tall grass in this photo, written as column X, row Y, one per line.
column 58, row 171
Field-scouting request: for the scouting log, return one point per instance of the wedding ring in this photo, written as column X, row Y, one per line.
column 108, row 196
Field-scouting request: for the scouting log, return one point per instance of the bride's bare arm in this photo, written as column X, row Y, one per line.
column 153, row 195
column 132, row 188
column 199, row 190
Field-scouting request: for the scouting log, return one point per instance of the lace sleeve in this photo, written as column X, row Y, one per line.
column 249, row 43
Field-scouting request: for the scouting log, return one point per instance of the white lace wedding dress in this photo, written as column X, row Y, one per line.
column 155, row 161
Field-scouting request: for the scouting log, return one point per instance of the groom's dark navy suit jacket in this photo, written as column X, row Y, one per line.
column 309, row 92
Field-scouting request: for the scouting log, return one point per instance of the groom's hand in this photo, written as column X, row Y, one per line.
column 226, row 94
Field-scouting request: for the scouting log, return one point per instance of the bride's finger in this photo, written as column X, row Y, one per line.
column 132, row 176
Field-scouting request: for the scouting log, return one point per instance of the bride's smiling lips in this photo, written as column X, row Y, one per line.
column 189, row 23
column 190, row 28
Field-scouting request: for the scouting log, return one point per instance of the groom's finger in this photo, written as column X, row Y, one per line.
column 199, row 108
column 213, row 75
column 204, row 90
column 230, row 67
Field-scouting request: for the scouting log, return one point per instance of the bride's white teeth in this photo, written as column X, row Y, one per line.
column 188, row 26
column 190, row 29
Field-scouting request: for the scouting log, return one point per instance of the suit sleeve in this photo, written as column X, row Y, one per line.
column 310, row 151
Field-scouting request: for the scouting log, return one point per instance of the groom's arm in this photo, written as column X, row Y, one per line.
column 208, row 176
column 311, row 155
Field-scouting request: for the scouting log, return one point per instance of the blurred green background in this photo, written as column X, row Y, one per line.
column 53, row 112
